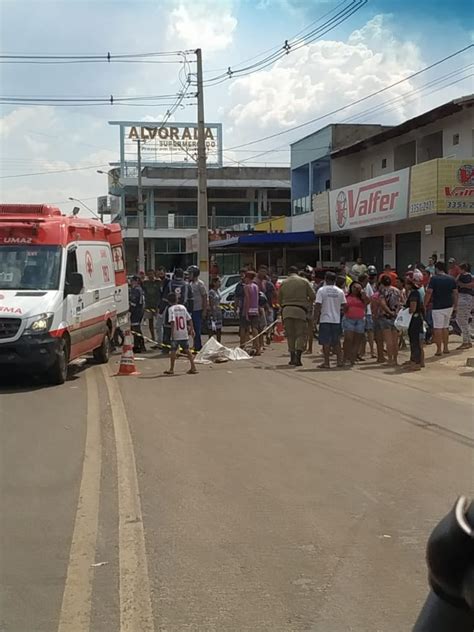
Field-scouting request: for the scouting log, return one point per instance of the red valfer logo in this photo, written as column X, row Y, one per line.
column 341, row 209
column 465, row 177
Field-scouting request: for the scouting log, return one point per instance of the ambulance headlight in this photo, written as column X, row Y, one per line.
column 39, row 324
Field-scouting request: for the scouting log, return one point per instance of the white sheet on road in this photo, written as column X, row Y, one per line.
column 213, row 350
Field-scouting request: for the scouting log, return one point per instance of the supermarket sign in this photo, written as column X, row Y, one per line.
column 376, row 201
column 442, row 186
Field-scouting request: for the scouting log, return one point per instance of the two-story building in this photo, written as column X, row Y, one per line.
column 238, row 197
column 404, row 193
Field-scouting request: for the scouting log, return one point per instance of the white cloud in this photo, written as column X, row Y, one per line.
column 209, row 24
column 322, row 77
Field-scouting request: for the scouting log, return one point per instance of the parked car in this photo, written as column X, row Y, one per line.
column 229, row 315
column 229, row 279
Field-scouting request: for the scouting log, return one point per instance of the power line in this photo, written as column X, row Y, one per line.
column 356, row 102
column 42, row 173
column 291, row 45
column 104, row 57
column 269, row 50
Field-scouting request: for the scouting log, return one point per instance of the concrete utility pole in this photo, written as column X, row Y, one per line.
column 140, row 212
column 203, row 235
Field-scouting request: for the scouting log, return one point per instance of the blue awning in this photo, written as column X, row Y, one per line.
column 268, row 239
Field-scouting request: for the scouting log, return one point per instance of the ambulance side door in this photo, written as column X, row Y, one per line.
column 74, row 302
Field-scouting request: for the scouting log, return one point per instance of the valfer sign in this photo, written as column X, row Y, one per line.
column 376, row 201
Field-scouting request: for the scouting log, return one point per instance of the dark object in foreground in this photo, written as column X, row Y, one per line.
column 450, row 557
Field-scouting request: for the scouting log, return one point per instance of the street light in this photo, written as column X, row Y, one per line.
column 73, row 199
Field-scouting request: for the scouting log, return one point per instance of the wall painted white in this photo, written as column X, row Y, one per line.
column 430, row 244
column 367, row 164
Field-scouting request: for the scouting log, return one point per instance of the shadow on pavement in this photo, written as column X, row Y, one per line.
column 21, row 383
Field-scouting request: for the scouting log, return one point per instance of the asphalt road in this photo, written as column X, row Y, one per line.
column 248, row 497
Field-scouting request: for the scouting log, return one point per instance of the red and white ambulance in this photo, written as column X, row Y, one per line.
column 63, row 288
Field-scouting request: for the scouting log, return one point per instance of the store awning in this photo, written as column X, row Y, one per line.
column 267, row 239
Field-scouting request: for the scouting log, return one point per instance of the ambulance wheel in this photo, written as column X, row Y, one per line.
column 102, row 353
column 58, row 372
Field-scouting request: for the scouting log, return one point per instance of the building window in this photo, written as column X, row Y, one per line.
column 384, row 163
column 455, row 139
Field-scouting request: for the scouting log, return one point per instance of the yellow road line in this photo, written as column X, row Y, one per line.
column 135, row 601
column 77, row 597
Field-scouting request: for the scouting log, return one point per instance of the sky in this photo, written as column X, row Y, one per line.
column 381, row 43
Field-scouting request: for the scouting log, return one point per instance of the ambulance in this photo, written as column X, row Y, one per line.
column 63, row 289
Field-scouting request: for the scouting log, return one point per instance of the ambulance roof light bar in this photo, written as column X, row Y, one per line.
column 29, row 209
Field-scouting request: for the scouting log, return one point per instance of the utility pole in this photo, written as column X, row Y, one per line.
column 140, row 211
column 203, row 234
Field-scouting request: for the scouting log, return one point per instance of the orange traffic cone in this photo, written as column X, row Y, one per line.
column 127, row 361
column 279, row 332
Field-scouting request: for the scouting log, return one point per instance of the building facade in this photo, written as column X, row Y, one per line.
column 311, row 166
column 402, row 194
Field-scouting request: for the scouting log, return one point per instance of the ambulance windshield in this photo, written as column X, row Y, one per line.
column 29, row 267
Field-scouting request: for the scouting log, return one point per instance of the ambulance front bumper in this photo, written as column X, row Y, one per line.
column 33, row 353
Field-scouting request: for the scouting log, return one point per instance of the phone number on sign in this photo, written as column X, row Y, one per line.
column 461, row 205
column 422, row 207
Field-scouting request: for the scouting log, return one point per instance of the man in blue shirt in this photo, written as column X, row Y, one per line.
column 442, row 291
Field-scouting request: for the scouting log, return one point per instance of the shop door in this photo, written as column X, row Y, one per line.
column 408, row 251
column 371, row 251
column 460, row 243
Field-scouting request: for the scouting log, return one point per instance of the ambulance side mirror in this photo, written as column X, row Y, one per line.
column 74, row 284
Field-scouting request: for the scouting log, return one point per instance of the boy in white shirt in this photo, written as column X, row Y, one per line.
column 181, row 325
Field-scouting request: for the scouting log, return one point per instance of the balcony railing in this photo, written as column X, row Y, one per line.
column 191, row 221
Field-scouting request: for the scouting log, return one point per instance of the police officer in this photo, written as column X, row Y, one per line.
column 136, row 299
column 296, row 297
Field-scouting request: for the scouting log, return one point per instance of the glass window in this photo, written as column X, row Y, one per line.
column 30, row 267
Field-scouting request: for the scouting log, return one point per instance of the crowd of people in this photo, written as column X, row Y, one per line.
column 153, row 295
column 365, row 308
column 353, row 311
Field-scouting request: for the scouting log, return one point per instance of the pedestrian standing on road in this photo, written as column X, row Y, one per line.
column 183, row 296
column 369, row 323
column 215, row 310
column 415, row 330
column 387, row 271
column 239, row 308
column 377, row 314
column 251, row 309
column 353, row 323
column 200, row 304
column 181, row 325
column 465, row 283
column 390, row 306
column 358, row 268
column 151, row 288
column 453, row 269
column 136, row 299
column 330, row 301
column 268, row 289
column 430, row 268
column 443, row 289
column 163, row 284
column 295, row 297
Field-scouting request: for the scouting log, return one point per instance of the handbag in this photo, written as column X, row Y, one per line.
column 403, row 320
